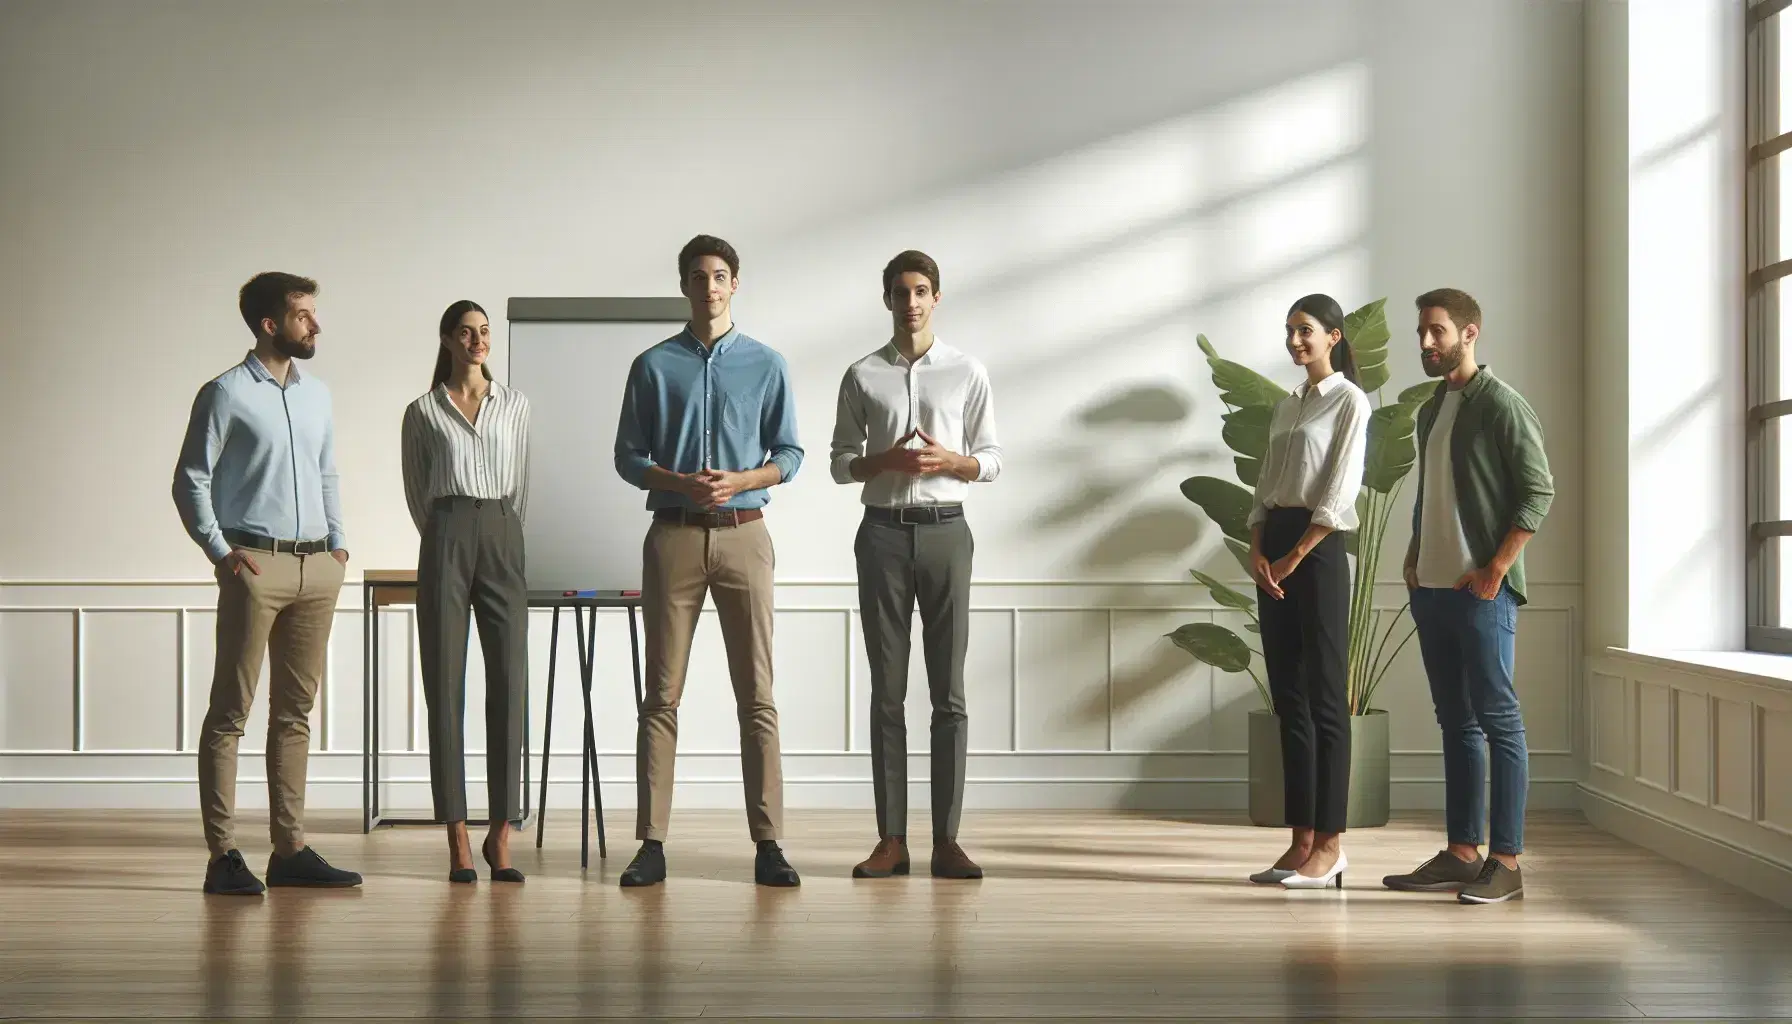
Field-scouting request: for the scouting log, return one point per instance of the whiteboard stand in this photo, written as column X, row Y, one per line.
column 584, row 616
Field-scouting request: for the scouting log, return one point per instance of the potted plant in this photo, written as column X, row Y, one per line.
column 1250, row 398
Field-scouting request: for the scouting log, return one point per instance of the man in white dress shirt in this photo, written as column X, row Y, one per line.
column 906, row 413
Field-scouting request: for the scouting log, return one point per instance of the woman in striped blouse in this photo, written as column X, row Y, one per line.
column 466, row 479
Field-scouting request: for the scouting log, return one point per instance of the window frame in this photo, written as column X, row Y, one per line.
column 1768, row 263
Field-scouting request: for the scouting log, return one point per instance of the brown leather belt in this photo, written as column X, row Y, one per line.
column 257, row 542
column 719, row 520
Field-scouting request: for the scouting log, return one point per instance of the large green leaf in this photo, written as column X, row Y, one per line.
column 1223, row 594
column 1418, row 394
column 1246, row 430
column 1213, row 645
column 1392, row 449
column 1240, row 385
column 1226, row 503
column 1248, row 469
column 1367, row 329
column 1362, row 520
column 1241, row 550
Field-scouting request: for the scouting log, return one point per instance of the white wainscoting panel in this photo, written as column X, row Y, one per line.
column 1696, row 766
column 1076, row 699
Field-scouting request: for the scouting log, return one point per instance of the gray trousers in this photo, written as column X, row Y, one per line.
column 899, row 566
column 472, row 558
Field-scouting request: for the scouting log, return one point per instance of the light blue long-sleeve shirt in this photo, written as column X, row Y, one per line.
column 259, row 458
column 688, row 407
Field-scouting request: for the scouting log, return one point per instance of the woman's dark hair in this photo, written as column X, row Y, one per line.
column 1330, row 315
column 450, row 322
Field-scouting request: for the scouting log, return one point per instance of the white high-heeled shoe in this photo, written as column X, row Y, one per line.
column 1332, row 878
column 1270, row 876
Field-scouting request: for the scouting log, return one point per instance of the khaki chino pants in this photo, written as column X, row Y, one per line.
column 285, row 612
column 733, row 564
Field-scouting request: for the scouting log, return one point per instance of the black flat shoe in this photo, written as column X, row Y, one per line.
column 230, row 876
column 307, row 870
column 648, row 867
column 770, row 868
column 463, row 876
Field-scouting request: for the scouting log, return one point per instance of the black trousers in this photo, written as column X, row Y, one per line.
column 472, row 559
column 1306, row 648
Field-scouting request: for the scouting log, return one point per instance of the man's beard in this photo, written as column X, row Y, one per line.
column 1446, row 363
column 295, row 348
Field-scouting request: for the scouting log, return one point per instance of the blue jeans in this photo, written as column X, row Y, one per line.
column 1468, row 646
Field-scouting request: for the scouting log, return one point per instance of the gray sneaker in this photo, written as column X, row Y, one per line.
column 1497, row 884
column 1445, row 872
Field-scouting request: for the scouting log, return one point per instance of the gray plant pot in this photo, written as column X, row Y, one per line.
column 1368, row 770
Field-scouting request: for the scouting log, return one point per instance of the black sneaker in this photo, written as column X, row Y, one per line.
column 1445, row 872
column 1497, row 883
column 648, row 867
column 306, row 868
column 770, row 867
column 229, row 875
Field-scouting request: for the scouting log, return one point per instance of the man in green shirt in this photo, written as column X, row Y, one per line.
column 1484, row 489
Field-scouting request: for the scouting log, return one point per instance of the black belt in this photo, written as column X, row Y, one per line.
column 914, row 515
column 256, row 542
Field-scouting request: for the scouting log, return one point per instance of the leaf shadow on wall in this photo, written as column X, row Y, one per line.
column 1133, row 419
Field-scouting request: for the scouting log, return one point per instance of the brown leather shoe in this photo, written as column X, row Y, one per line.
column 890, row 858
column 949, row 861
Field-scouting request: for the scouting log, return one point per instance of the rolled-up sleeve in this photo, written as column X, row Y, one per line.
column 1343, row 480
column 848, row 443
column 980, row 427
column 207, row 430
column 1521, row 439
column 634, row 446
column 779, row 424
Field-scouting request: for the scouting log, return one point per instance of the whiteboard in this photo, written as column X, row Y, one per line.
column 571, row 357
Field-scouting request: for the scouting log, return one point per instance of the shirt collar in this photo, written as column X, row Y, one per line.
column 1325, row 386
column 935, row 352
column 722, row 343
column 261, row 373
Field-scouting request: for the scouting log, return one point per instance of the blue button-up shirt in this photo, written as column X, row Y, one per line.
column 260, row 458
column 688, row 407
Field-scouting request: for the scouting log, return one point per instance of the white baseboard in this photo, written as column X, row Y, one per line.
column 1742, row 868
column 1176, row 794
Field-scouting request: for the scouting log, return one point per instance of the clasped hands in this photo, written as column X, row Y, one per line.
column 926, row 461
column 711, row 488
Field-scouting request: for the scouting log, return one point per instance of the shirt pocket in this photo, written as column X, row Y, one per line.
column 740, row 412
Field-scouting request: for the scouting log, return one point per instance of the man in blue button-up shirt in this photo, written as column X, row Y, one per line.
column 256, row 489
column 708, row 426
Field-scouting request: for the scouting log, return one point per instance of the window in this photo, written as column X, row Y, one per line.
column 1768, row 236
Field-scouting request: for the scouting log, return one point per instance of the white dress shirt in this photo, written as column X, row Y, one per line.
column 445, row 456
column 1318, row 440
column 884, row 396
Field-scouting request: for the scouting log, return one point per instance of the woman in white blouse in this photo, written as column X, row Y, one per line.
column 1305, row 504
column 466, row 480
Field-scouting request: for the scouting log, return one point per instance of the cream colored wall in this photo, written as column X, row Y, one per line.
column 1099, row 182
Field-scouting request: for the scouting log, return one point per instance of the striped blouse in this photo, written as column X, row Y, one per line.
column 444, row 455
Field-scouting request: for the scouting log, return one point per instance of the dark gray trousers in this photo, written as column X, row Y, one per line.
column 472, row 559
column 898, row 567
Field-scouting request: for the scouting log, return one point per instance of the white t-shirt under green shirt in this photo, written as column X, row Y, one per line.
column 1443, row 548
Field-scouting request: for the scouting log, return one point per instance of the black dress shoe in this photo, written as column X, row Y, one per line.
column 229, row 875
column 648, row 867
column 499, row 874
column 463, row 876
column 770, row 867
column 307, row 869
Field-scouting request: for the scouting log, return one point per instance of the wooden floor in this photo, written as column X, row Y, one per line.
column 1082, row 915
